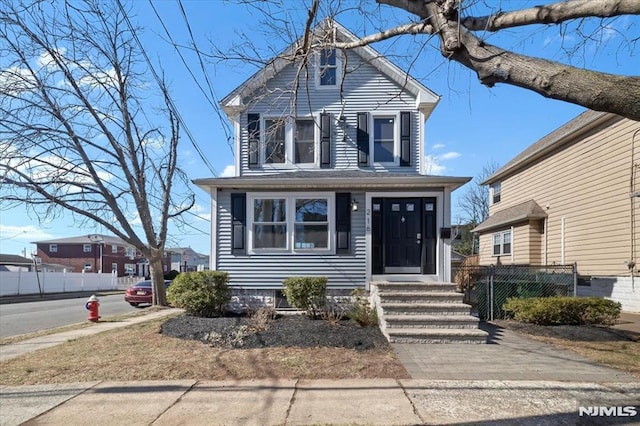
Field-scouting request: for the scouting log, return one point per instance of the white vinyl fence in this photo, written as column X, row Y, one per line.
column 28, row 282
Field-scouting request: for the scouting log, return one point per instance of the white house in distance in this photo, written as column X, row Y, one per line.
column 330, row 178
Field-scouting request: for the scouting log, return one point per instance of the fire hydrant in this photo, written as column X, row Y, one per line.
column 92, row 306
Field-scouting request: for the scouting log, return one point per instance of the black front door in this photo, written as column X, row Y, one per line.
column 402, row 235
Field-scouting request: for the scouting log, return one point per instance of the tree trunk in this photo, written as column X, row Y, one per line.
column 157, row 277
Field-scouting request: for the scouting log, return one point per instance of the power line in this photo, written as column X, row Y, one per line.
column 206, row 76
column 169, row 101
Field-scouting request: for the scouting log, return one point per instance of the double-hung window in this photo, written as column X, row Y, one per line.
column 502, row 243
column 384, row 141
column 304, row 141
column 495, row 192
column 328, row 67
column 274, row 141
column 289, row 141
column 311, row 223
column 53, row 248
column 270, row 223
column 290, row 223
column 86, row 248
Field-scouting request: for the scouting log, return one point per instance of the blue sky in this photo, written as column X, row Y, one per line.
column 472, row 126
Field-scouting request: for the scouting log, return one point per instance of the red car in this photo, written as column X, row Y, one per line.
column 141, row 292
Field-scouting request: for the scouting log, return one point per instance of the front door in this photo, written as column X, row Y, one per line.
column 402, row 235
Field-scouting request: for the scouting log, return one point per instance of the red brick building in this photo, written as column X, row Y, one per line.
column 96, row 252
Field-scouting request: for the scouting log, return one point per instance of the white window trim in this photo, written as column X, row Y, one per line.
column 290, row 220
column 502, row 234
column 87, row 248
column 396, row 139
column 114, row 249
column 492, row 192
column 339, row 66
column 289, row 145
column 53, row 248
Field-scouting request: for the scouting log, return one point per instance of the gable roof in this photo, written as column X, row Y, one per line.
column 529, row 210
column 426, row 99
column 562, row 135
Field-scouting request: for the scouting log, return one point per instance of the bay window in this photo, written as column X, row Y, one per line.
column 290, row 223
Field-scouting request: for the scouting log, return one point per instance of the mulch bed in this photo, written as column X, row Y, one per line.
column 284, row 331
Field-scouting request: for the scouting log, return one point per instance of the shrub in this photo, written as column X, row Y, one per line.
column 563, row 310
column 306, row 293
column 361, row 311
column 202, row 294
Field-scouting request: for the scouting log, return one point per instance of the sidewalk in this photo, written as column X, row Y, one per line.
column 507, row 381
column 300, row 402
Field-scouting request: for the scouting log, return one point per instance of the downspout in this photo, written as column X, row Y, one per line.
column 562, row 224
column 633, row 194
column 546, row 241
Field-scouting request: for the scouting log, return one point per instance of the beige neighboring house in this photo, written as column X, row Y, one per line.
column 572, row 197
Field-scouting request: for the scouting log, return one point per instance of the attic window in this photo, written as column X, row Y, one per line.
column 328, row 67
column 328, row 72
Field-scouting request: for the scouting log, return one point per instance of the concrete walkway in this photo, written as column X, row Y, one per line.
column 511, row 380
column 506, row 356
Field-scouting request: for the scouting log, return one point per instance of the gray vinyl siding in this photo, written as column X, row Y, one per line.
column 365, row 89
column 264, row 271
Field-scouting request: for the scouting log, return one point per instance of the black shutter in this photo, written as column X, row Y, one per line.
column 238, row 223
column 253, row 127
column 363, row 139
column 325, row 140
column 343, row 222
column 405, row 138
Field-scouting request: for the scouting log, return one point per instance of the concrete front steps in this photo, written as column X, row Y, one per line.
column 432, row 312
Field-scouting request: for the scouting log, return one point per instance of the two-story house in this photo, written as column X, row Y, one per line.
column 572, row 197
column 330, row 176
column 96, row 253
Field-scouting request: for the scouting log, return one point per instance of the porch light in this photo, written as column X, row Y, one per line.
column 354, row 205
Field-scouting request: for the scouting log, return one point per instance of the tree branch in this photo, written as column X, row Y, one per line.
column 554, row 13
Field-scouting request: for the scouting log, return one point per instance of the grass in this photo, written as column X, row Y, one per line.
column 141, row 352
column 77, row 326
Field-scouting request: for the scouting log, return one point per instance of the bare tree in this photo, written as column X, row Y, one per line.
column 474, row 202
column 76, row 130
column 462, row 29
column 474, row 207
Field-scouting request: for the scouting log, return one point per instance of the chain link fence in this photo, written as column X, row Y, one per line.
column 487, row 288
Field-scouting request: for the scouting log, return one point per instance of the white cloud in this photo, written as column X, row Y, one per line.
column 229, row 171
column 23, row 233
column 45, row 60
column 433, row 163
column 433, row 166
column 438, row 146
column 451, row 155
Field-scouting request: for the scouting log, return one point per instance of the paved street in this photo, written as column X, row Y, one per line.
column 21, row 318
